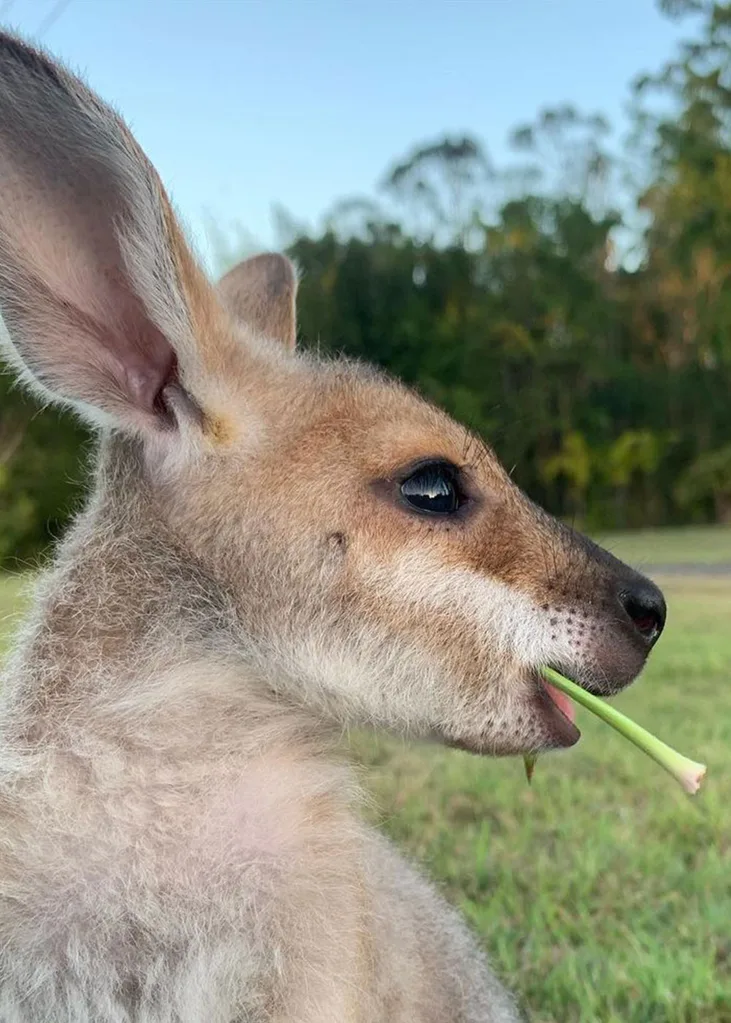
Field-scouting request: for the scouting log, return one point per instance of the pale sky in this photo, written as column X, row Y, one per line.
column 245, row 103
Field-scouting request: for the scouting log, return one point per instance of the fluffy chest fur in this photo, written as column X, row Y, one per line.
column 158, row 886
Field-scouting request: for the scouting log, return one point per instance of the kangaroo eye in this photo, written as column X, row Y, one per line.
column 432, row 489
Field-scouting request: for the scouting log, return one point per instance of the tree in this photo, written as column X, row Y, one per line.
column 442, row 187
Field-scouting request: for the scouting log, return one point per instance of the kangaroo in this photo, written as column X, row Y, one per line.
column 275, row 546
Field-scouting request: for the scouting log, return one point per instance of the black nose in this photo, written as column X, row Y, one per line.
column 644, row 605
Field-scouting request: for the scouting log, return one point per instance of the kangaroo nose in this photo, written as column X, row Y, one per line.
column 644, row 605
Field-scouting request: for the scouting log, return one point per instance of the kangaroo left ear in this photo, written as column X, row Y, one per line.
column 104, row 304
column 261, row 293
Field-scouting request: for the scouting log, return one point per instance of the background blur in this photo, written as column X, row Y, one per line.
column 522, row 207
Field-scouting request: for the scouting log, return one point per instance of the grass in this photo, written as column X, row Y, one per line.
column 694, row 545
column 602, row 893
column 12, row 600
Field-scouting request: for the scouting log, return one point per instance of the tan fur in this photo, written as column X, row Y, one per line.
column 261, row 293
column 180, row 841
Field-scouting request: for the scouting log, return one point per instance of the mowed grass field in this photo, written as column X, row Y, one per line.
column 602, row 892
column 694, row 545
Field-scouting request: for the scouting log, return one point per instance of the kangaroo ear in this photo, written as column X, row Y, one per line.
column 104, row 304
column 261, row 293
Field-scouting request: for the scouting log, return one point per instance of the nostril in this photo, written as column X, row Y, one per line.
column 644, row 605
column 644, row 620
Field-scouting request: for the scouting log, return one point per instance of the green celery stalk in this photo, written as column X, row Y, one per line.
column 687, row 772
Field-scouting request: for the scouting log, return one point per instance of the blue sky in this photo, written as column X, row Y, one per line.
column 245, row 103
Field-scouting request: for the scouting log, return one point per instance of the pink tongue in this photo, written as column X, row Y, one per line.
column 562, row 701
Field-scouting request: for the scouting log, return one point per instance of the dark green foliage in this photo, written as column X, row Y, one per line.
column 41, row 474
column 601, row 376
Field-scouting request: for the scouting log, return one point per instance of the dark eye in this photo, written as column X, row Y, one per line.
column 433, row 489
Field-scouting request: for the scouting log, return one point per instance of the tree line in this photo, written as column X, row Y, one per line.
column 573, row 307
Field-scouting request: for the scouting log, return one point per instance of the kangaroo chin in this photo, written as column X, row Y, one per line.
column 275, row 546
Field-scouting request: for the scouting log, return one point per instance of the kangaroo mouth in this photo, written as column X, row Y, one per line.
column 564, row 703
column 558, row 714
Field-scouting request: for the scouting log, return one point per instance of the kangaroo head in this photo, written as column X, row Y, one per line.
column 383, row 566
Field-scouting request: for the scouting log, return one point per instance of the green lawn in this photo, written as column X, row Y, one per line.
column 12, row 591
column 603, row 893
column 695, row 545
